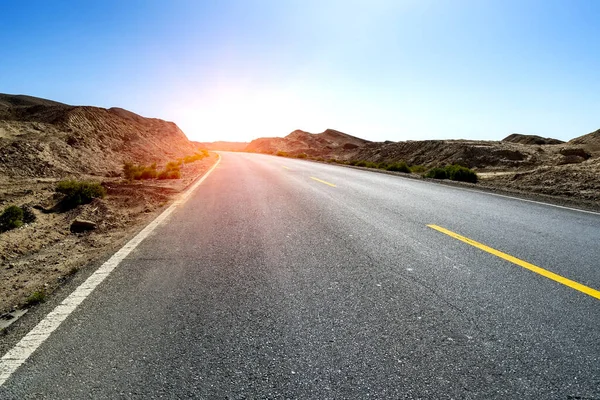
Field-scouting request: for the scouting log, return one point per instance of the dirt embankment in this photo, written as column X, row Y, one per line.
column 42, row 142
column 518, row 163
column 570, row 170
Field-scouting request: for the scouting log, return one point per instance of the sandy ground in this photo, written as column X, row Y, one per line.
column 43, row 255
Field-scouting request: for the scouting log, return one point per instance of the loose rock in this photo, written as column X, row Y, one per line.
column 82, row 225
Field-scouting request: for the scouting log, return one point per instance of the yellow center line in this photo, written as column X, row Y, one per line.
column 319, row 180
column 283, row 166
column 550, row 275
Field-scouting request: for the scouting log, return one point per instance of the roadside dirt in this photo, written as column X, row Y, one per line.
column 43, row 255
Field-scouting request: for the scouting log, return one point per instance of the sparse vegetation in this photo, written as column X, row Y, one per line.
column 398, row 167
column 302, row 155
column 11, row 218
column 437, row 173
column 453, row 172
column 363, row 163
column 148, row 172
column 130, row 171
column 137, row 172
column 72, row 271
column 417, row 169
column 195, row 157
column 36, row 298
column 395, row 166
column 171, row 174
column 281, row 154
column 28, row 215
column 460, row 173
column 79, row 192
column 172, row 171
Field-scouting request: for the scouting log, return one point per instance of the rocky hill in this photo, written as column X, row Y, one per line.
column 16, row 100
column 325, row 144
column 589, row 142
column 43, row 138
column 530, row 139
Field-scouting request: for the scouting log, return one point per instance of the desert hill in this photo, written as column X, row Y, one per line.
column 530, row 139
column 515, row 151
column 324, row 144
column 16, row 100
column 589, row 142
column 43, row 138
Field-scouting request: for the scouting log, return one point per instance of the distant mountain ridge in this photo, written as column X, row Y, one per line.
column 322, row 144
column 21, row 100
column 530, row 139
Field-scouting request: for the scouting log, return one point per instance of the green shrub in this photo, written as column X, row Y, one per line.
column 172, row 171
column 418, row 169
column 281, row 153
column 195, row 157
column 170, row 174
column 460, row 173
column 11, row 218
column 437, row 173
column 28, row 215
column 147, row 173
column 302, row 155
column 383, row 165
column 453, row 172
column 172, row 166
column 36, row 298
column 79, row 192
column 130, row 171
column 398, row 167
column 361, row 163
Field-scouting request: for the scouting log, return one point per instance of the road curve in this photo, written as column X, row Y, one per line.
column 283, row 278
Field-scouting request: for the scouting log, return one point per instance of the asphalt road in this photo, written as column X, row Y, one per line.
column 268, row 283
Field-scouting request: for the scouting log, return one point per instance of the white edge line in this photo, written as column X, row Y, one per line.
column 527, row 200
column 16, row 356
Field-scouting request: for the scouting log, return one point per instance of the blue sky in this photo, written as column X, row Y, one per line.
column 382, row 70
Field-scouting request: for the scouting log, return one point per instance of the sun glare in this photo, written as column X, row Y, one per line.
column 246, row 116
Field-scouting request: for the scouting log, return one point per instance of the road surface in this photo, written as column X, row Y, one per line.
column 282, row 278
